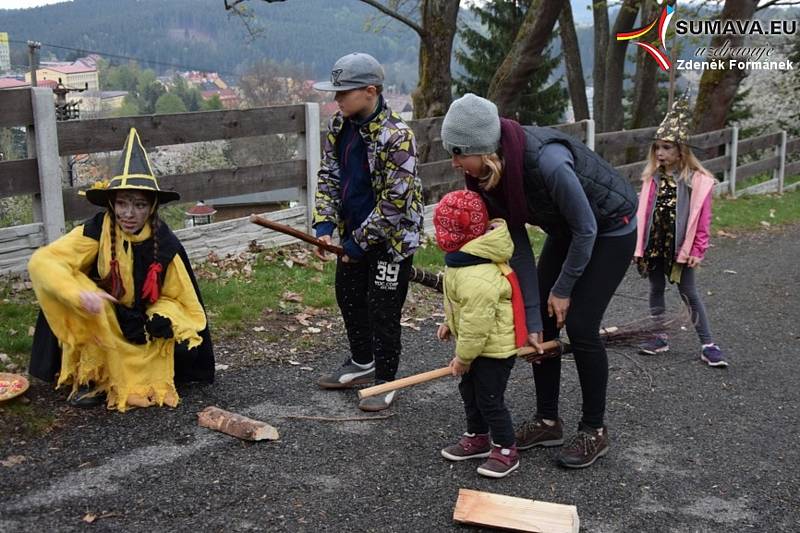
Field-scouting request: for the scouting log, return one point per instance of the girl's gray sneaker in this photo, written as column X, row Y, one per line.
column 713, row 356
column 654, row 345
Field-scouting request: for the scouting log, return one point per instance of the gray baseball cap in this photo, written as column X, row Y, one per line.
column 353, row 71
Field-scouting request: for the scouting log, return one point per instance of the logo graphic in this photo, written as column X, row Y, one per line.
column 663, row 23
column 335, row 77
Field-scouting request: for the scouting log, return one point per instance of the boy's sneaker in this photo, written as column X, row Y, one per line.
column 469, row 446
column 348, row 375
column 379, row 402
column 655, row 345
column 536, row 433
column 584, row 448
column 713, row 356
column 501, row 462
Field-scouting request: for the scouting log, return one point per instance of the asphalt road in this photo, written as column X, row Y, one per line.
column 693, row 448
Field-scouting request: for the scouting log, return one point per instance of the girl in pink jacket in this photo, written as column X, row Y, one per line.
column 673, row 222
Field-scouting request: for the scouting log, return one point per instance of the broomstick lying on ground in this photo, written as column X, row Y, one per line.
column 423, row 277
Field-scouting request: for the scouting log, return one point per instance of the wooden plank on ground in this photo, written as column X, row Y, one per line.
column 16, row 108
column 235, row 425
column 19, row 176
column 108, row 134
column 516, row 514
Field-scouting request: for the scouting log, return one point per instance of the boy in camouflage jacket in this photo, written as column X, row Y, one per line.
column 369, row 190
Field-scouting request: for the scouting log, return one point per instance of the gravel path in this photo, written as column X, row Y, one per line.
column 693, row 448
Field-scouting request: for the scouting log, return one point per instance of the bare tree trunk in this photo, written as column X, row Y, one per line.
column 600, row 15
column 645, row 81
column 572, row 63
column 718, row 87
column 433, row 94
column 613, row 117
column 513, row 74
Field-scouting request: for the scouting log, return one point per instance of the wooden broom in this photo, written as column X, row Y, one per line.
column 624, row 335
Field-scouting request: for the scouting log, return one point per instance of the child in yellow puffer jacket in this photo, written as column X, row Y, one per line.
column 478, row 289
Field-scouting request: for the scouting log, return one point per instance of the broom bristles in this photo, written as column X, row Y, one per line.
column 642, row 329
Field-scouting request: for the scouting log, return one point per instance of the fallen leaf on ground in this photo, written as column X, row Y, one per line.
column 729, row 272
column 31, row 331
column 290, row 328
column 288, row 262
column 89, row 518
column 408, row 325
column 313, row 330
column 12, row 460
column 771, row 213
column 294, row 363
column 306, row 368
column 221, row 367
column 765, row 224
column 303, row 319
column 723, row 233
column 290, row 296
column 259, row 328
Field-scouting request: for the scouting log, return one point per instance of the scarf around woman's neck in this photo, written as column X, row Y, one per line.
column 507, row 199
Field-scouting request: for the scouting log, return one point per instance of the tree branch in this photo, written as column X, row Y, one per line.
column 778, row 3
column 395, row 15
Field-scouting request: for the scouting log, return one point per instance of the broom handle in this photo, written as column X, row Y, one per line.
column 551, row 349
column 297, row 234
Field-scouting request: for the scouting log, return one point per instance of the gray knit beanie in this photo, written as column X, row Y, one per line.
column 471, row 126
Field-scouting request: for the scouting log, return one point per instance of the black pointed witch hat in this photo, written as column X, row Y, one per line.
column 133, row 172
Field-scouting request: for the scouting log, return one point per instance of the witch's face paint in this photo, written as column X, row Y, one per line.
column 131, row 209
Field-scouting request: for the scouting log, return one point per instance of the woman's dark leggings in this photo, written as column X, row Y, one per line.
column 688, row 292
column 589, row 300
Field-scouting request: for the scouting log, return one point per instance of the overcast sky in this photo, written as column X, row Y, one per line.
column 21, row 4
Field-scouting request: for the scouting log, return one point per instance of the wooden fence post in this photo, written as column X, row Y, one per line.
column 779, row 172
column 313, row 151
column 732, row 150
column 49, row 202
column 590, row 133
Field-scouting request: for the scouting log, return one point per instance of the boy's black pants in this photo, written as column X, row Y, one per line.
column 371, row 294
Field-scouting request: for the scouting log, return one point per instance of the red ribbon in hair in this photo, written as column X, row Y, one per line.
column 150, row 287
column 117, row 289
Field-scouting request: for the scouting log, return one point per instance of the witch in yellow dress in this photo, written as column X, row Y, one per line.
column 121, row 315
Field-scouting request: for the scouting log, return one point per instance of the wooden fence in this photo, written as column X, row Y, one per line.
column 40, row 174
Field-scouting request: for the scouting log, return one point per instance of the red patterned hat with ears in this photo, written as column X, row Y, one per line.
column 459, row 217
